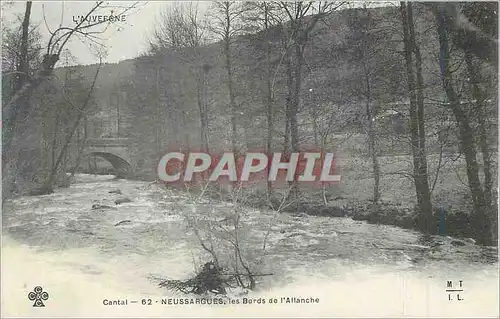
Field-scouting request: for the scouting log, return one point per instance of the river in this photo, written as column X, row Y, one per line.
column 355, row 269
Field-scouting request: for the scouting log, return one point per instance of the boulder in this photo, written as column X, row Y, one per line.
column 470, row 241
column 458, row 243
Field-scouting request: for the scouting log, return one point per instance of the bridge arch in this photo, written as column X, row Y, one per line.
column 122, row 167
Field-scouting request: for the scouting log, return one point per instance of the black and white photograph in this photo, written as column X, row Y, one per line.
column 249, row 159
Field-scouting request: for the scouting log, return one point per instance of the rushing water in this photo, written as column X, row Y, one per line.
column 80, row 257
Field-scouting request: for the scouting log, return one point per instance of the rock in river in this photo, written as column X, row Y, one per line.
column 122, row 200
column 127, row 221
column 99, row 206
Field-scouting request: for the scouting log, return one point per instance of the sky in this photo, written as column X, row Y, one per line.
column 124, row 40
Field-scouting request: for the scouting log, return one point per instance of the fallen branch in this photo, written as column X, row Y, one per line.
column 208, row 280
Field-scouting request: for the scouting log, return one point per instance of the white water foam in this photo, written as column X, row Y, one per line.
column 78, row 280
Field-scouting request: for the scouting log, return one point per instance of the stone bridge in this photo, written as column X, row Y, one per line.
column 114, row 150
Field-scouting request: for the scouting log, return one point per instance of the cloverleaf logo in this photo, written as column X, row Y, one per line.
column 38, row 295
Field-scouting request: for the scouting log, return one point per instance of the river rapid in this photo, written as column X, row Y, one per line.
column 355, row 269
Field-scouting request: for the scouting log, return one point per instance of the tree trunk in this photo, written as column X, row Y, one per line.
column 187, row 141
column 315, row 124
column 289, row 82
column 269, row 100
column 479, row 96
column 232, row 102
column 23, row 66
column 118, row 118
column 421, row 183
column 372, row 148
column 322, row 161
column 286, row 137
column 417, row 121
column 205, row 110
column 201, row 108
column 294, row 130
column 370, row 132
column 293, row 109
column 82, row 143
column 157, row 110
column 482, row 221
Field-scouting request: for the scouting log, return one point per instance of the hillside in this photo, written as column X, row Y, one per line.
column 330, row 72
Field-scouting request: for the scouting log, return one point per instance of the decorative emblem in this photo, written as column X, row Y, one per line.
column 38, row 295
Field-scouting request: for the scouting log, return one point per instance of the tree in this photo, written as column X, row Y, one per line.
column 226, row 26
column 417, row 125
column 182, row 30
column 300, row 27
column 75, row 115
column 21, row 79
column 17, row 109
column 19, row 59
column 262, row 14
column 483, row 221
column 483, row 16
column 363, row 42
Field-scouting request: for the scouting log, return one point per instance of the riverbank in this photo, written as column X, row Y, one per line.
column 447, row 220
